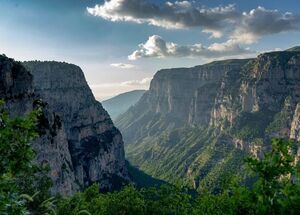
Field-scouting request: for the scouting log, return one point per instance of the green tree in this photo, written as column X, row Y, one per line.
column 277, row 190
column 168, row 200
column 24, row 187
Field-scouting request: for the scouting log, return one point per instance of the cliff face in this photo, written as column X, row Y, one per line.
column 208, row 116
column 77, row 138
column 16, row 87
column 95, row 145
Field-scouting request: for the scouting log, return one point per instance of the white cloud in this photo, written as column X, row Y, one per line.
column 156, row 46
column 244, row 27
column 180, row 14
column 260, row 21
column 122, row 65
column 144, row 82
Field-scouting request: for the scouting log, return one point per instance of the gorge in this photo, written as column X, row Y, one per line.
column 197, row 124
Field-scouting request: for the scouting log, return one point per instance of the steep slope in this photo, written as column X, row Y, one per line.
column 77, row 138
column 16, row 89
column 120, row 103
column 95, row 145
column 196, row 124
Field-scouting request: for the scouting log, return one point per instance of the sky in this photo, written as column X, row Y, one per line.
column 120, row 44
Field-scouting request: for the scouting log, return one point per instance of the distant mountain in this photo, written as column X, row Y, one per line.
column 121, row 103
column 197, row 124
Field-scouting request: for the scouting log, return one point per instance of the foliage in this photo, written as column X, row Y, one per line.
column 281, row 119
column 276, row 191
column 24, row 186
column 252, row 125
column 130, row 200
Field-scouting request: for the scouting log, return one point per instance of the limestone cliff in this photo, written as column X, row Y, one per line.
column 95, row 145
column 17, row 90
column 77, row 138
column 196, row 123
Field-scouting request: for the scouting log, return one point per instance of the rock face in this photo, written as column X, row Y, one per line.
column 15, row 85
column 77, row 138
column 198, row 122
column 95, row 145
column 16, row 89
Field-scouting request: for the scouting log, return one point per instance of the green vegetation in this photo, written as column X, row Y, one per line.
column 281, row 120
column 24, row 188
column 166, row 200
column 141, row 179
column 186, row 155
column 276, row 191
column 250, row 126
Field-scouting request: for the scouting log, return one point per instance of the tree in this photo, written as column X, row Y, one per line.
column 23, row 185
column 277, row 190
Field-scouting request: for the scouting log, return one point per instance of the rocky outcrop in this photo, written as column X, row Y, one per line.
column 77, row 138
column 212, row 108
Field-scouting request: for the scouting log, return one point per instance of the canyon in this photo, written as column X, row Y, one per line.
column 197, row 124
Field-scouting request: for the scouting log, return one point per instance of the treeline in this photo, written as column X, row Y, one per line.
column 24, row 187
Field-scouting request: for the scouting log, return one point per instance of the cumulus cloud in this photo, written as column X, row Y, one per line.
column 156, row 46
column 180, row 14
column 245, row 27
column 122, row 65
column 260, row 21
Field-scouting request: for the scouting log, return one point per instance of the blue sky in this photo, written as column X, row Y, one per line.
column 101, row 39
